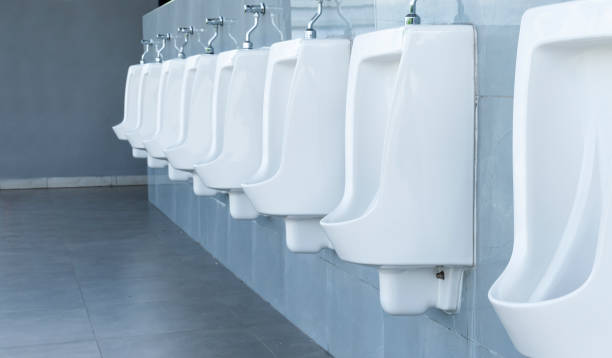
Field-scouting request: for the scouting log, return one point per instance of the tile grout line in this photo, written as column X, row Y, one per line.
column 93, row 330
column 262, row 343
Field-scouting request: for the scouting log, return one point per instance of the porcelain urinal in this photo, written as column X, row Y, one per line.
column 554, row 296
column 147, row 109
column 130, row 104
column 189, row 76
column 223, row 69
column 301, row 175
column 235, row 153
column 197, row 132
column 168, row 113
column 408, row 200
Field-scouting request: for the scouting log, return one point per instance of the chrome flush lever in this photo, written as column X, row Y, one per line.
column 412, row 18
column 186, row 31
column 159, row 58
column 310, row 32
column 216, row 22
column 147, row 46
column 257, row 11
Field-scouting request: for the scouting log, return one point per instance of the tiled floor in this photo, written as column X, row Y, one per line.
column 99, row 272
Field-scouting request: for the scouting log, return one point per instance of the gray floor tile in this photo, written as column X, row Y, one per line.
column 25, row 328
column 234, row 344
column 86, row 349
column 159, row 317
column 105, row 292
column 79, row 262
column 39, row 291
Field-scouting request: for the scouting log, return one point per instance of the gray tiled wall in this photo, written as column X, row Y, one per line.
column 336, row 302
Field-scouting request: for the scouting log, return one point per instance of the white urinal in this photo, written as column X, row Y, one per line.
column 189, row 75
column 408, row 201
column 554, row 296
column 130, row 104
column 168, row 113
column 196, row 136
column 301, row 175
column 224, row 67
column 236, row 149
column 147, row 109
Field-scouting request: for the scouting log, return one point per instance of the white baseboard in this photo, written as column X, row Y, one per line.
column 72, row 182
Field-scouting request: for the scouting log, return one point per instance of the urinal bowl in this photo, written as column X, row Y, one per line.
column 238, row 143
column 554, row 296
column 147, row 109
column 130, row 106
column 212, row 132
column 196, row 131
column 189, row 74
column 301, row 175
column 408, row 200
column 168, row 110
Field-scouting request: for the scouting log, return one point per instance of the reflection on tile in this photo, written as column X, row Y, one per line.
column 25, row 328
column 230, row 344
column 86, row 349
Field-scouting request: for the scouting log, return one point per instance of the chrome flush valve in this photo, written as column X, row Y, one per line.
column 146, row 44
column 163, row 38
column 412, row 18
column 186, row 31
column 257, row 11
column 310, row 32
column 216, row 22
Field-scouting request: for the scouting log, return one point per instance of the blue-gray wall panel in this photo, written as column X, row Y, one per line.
column 63, row 74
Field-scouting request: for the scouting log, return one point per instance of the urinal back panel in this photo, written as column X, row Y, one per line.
column 553, row 298
column 130, row 106
column 197, row 129
column 410, row 149
column 131, row 98
column 170, row 104
column 223, row 76
column 240, row 149
column 279, row 75
column 373, row 69
column 200, row 115
column 304, row 115
column 189, row 73
column 147, row 105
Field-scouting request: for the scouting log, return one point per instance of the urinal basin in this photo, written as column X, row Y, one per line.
column 236, row 149
column 169, row 109
column 189, row 76
column 147, row 108
column 407, row 205
column 212, row 135
column 301, row 174
column 553, row 297
column 196, row 131
column 130, row 105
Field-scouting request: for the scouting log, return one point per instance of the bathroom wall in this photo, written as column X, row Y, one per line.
column 335, row 302
column 63, row 69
